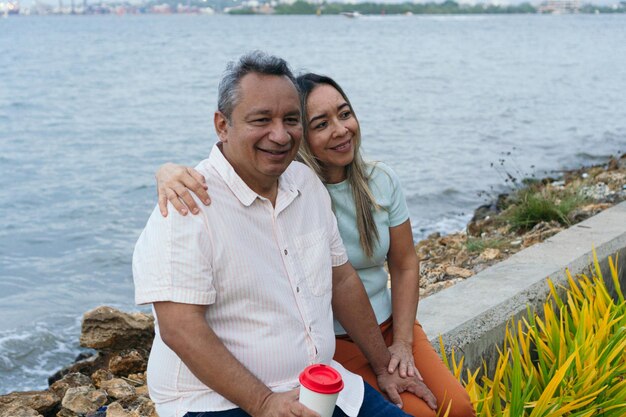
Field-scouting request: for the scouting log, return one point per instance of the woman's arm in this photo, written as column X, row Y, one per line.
column 174, row 183
column 354, row 311
column 403, row 266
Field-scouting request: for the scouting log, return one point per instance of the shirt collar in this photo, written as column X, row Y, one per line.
column 286, row 184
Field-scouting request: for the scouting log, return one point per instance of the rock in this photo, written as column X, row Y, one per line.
column 108, row 329
column 116, row 410
column 72, row 380
column 456, row 271
column 541, row 232
column 484, row 211
column 478, row 227
column 117, row 388
column 489, row 254
column 584, row 212
column 42, row 402
column 142, row 390
column 462, row 257
column 479, row 267
column 100, row 376
column 453, row 240
column 138, row 407
column 17, row 410
column 82, row 400
column 488, row 211
column 64, row 412
column 86, row 366
column 137, row 379
column 431, row 273
column 612, row 178
column 127, row 362
column 439, row 286
column 597, row 192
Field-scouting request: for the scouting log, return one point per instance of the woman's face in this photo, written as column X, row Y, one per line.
column 332, row 128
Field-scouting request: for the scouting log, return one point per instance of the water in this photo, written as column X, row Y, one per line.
column 91, row 106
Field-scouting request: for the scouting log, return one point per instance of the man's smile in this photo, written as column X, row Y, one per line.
column 276, row 152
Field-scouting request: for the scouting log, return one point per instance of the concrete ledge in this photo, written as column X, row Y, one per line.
column 471, row 316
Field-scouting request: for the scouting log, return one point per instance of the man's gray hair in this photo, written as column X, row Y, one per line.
column 252, row 62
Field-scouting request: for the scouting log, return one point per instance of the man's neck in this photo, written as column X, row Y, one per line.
column 267, row 189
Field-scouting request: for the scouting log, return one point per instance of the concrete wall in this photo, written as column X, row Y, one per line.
column 471, row 316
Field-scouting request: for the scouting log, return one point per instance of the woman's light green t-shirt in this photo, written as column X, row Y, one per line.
column 385, row 187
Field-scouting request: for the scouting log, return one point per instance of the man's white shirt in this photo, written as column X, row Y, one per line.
column 265, row 273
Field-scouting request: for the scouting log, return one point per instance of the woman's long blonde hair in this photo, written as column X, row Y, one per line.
column 356, row 172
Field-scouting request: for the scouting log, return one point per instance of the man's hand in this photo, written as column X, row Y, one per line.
column 402, row 359
column 393, row 385
column 284, row 404
column 174, row 183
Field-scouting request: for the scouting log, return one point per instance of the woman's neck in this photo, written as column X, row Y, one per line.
column 334, row 175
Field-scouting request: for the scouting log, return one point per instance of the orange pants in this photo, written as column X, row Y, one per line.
column 437, row 377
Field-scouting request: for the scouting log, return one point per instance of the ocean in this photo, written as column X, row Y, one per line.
column 90, row 106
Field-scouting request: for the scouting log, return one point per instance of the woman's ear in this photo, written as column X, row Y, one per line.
column 221, row 126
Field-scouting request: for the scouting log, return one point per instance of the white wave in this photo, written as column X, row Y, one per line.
column 446, row 225
column 28, row 356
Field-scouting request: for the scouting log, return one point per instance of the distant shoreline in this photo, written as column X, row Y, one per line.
column 301, row 7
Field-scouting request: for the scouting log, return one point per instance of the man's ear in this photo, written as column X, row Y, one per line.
column 221, row 126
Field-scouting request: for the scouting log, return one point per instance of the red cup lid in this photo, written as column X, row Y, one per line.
column 321, row 378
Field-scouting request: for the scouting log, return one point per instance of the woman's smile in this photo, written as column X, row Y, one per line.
column 343, row 147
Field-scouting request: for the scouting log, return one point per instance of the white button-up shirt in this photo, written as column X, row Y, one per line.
column 266, row 273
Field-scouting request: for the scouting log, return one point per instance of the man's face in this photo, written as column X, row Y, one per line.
column 264, row 133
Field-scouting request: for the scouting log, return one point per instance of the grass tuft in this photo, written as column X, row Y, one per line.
column 532, row 206
column 475, row 245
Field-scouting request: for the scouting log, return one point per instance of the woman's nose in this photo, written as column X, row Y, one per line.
column 339, row 129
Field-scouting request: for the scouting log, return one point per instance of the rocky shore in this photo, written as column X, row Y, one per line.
column 492, row 235
column 112, row 381
column 109, row 383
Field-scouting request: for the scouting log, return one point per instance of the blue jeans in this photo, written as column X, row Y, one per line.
column 374, row 405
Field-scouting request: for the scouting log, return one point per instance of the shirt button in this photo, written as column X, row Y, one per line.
column 297, row 289
column 285, row 251
column 310, row 329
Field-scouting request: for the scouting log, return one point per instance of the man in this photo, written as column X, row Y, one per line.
column 242, row 293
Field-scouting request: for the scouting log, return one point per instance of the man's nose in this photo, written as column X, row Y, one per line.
column 279, row 134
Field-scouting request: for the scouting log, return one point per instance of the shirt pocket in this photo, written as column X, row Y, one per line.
column 314, row 257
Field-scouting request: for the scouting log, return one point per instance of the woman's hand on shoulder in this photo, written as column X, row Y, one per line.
column 402, row 359
column 174, row 183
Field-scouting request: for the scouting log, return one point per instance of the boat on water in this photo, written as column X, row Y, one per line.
column 351, row 15
column 9, row 8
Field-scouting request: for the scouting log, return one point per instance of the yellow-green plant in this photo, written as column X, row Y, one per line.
column 571, row 362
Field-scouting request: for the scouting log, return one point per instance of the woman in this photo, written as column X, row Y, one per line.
column 374, row 224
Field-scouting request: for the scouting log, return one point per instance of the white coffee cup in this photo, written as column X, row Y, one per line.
column 319, row 388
